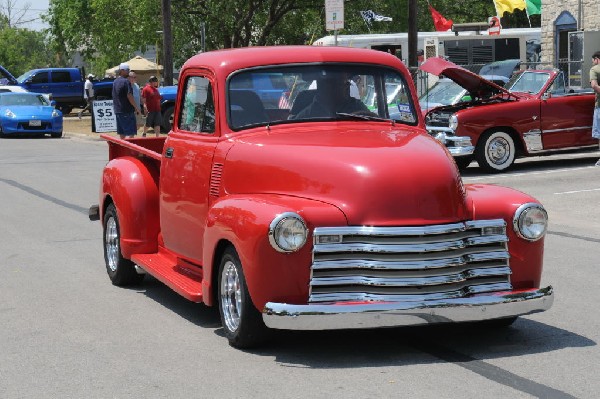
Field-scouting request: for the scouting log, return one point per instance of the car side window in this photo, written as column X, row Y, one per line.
column 198, row 111
column 61, row 77
column 40, row 77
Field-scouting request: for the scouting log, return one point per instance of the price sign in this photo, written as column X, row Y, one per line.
column 104, row 116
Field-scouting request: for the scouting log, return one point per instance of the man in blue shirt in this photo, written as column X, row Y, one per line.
column 124, row 104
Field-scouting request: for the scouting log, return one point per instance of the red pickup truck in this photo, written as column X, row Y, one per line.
column 534, row 114
column 315, row 212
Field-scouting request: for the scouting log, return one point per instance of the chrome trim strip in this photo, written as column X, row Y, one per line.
column 480, row 224
column 390, row 231
column 388, row 265
column 485, row 256
column 333, row 316
column 387, row 248
column 482, row 240
column 329, row 297
column 566, row 129
column 449, row 278
column 461, row 151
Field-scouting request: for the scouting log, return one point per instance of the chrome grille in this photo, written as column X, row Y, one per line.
column 409, row 263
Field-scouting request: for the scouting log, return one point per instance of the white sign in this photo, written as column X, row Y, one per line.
column 334, row 14
column 104, row 116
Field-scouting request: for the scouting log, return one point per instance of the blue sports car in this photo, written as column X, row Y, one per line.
column 28, row 113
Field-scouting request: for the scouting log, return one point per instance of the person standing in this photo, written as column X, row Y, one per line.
column 151, row 99
column 139, row 119
column 124, row 103
column 88, row 95
column 594, row 81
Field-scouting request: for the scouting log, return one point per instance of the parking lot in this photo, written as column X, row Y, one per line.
column 67, row 332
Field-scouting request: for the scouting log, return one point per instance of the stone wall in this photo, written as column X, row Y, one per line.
column 551, row 9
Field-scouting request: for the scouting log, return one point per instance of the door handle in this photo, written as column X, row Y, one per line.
column 169, row 152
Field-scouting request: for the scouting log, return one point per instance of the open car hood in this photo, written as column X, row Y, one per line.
column 471, row 81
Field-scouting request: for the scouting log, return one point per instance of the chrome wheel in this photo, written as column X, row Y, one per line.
column 111, row 242
column 495, row 151
column 498, row 151
column 231, row 296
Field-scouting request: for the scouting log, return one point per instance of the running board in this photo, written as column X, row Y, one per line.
column 184, row 281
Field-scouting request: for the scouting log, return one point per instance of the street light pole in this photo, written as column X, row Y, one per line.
column 167, row 42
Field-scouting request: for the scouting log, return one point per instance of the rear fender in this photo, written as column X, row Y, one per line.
column 243, row 222
column 131, row 184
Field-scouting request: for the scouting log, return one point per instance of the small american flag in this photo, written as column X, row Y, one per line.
column 284, row 100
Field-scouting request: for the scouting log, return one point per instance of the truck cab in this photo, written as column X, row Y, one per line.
column 327, row 209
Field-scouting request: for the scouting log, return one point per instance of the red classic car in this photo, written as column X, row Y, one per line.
column 321, row 211
column 534, row 114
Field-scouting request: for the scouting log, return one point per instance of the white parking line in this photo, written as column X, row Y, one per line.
column 578, row 191
column 509, row 175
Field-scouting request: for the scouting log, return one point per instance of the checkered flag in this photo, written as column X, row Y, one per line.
column 369, row 16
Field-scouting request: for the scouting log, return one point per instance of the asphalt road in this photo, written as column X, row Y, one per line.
column 66, row 332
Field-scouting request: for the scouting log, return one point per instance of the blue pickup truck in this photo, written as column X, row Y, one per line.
column 64, row 84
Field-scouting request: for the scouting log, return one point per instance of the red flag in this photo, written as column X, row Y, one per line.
column 441, row 24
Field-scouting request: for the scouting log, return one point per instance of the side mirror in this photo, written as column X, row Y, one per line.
column 53, row 103
column 546, row 95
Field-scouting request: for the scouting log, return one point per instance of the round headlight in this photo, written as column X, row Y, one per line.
column 287, row 232
column 453, row 122
column 530, row 221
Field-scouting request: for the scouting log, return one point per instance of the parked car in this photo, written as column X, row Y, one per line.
column 167, row 106
column 28, row 113
column 534, row 114
column 329, row 218
column 64, row 84
column 447, row 92
column 19, row 89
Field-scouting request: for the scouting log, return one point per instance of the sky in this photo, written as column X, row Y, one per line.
column 37, row 8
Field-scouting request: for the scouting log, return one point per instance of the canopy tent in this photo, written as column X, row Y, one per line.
column 142, row 67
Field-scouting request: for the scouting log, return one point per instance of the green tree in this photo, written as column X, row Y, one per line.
column 22, row 50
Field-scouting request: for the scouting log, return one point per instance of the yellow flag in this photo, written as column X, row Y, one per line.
column 509, row 6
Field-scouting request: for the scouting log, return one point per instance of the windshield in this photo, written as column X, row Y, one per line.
column 528, row 82
column 22, row 99
column 324, row 92
column 444, row 92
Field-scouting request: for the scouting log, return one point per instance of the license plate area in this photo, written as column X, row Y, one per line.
column 35, row 122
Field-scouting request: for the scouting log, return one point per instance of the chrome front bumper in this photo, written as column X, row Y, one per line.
column 394, row 314
column 459, row 146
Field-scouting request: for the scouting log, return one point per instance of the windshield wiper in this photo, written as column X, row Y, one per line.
column 364, row 117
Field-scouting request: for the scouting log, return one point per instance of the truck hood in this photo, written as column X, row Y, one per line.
column 379, row 176
column 471, row 81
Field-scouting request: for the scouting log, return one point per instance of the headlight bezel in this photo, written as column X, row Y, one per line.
column 286, row 221
column 526, row 211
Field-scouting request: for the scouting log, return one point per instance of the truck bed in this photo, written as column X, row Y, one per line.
column 151, row 147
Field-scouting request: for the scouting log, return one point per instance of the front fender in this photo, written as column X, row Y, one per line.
column 131, row 184
column 244, row 222
column 496, row 202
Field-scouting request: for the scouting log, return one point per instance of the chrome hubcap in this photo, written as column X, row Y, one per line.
column 231, row 296
column 111, row 239
column 498, row 151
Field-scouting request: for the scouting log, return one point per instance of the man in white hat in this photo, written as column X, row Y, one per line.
column 88, row 94
column 124, row 104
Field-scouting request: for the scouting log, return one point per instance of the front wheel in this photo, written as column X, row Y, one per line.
column 495, row 151
column 241, row 321
column 56, row 135
column 121, row 271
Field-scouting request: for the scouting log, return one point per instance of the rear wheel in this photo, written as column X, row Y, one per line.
column 168, row 119
column 121, row 271
column 241, row 321
column 65, row 109
column 495, row 151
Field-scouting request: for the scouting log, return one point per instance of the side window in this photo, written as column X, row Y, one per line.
column 399, row 99
column 61, row 77
column 198, row 111
column 40, row 77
